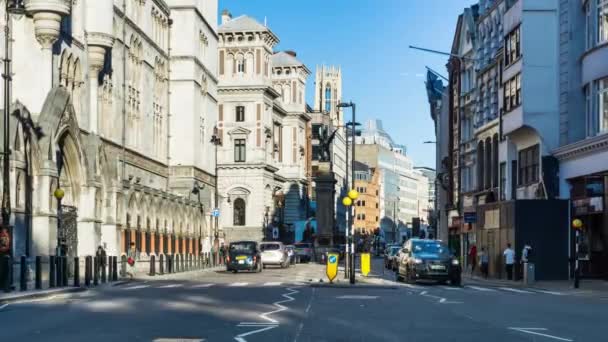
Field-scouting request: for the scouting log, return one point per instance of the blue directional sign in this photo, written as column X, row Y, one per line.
column 215, row 212
column 332, row 259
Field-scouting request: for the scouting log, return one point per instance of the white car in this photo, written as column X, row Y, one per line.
column 274, row 253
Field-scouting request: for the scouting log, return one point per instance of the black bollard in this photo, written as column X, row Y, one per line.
column 76, row 272
column 59, row 276
column 152, row 265
column 110, row 265
column 38, row 273
column 87, row 271
column 115, row 268
column 52, row 271
column 95, row 271
column 5, row 273
column 104, row 273
column 161, row 265
column 169, row 264
column 23, row 273
column 65, row 270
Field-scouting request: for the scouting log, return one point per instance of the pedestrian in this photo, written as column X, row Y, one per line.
column 101, row 259
column 131, row 256
column 473, row 257
column 222, row 252
column 509, row 255
column 484, row 262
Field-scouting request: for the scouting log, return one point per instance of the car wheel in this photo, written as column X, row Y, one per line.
column 399, row 277
column 456, row 281
column 263, row 266
column 408, row 276
column 234, row 271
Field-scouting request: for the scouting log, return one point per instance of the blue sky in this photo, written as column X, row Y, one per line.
column 369, row 39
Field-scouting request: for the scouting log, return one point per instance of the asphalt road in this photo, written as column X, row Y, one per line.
column 279, row 305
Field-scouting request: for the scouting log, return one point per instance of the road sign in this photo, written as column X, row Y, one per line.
column 365, row 264
column 215, row 212
column 332, row 266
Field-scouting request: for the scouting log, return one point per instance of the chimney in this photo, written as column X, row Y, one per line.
column 226, row 16
column 291, row 52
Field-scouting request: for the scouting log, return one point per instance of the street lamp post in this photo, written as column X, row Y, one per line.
column 353, row 134
column 196, row 190
column 13, row 7
column 216, row 140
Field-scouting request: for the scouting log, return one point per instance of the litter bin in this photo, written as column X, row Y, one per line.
column 529, row 276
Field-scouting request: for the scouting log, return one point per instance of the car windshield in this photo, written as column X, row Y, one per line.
column 270, row 247
column 430, row 247
column 242, row 247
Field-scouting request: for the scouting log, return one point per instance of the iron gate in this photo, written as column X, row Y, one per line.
column 68, row 235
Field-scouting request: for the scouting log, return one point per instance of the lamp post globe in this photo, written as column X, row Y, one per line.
column 59, row 193
column 577, row 223
column 353, row 194
column 347, row 201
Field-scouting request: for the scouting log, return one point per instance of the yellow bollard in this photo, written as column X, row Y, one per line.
column 332, row 266
column 365, row 264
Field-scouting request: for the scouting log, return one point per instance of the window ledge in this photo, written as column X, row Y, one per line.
column 593, row 49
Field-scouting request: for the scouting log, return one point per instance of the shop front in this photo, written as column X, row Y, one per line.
column 589, row 197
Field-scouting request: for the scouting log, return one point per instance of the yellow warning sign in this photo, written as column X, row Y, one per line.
column 332, row 266
column 365, row 264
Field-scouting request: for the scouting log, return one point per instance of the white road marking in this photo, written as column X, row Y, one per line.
column 550, row 292
column 273, row 283
column 450, row 288
column 238, row 284
column 411, row 286
column 202, row 286
column 241, row 337
column 136, row 287
column 272, row 323
column 170, row 286
column 3, row 306
column 533, row 331
column 480, row 288
column 514, row 290
column 357, row 297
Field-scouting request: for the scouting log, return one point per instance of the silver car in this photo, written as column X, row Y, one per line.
column 274, row 253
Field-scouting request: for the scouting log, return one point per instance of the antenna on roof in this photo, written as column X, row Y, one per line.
column 265, row 22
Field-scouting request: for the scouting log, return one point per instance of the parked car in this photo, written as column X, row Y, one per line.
column 244, row 256
column 390, row 257
column 430, row 260
column 291, row 253
column 303, row 251
column 274, row 253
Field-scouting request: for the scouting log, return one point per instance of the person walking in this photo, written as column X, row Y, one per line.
column 484, row 261
column 509, row 255
column 473, row 257
column 101, row 259
column 131, row 256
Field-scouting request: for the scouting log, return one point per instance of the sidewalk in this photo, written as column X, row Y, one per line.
column 591, row 286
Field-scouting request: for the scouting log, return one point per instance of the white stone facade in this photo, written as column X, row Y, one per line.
column 262, row 125
column 94, row 78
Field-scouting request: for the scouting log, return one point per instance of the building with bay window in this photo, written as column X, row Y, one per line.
column 262, row 124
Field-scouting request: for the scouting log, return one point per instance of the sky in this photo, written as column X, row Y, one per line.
column 369, row 40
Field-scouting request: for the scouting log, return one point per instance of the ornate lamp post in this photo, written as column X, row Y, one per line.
column 59, row 194
column 196, row 190
column 216, row 140
column 17, row 8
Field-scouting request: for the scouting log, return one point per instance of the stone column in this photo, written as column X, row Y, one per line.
column 326, row 194
column 97, row 45
column 44, row 222
column 47, row 16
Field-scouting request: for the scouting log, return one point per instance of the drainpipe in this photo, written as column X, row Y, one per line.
column 168, row 100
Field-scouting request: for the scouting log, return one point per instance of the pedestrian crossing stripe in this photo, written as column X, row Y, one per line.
column 202, row 286
column 273, row 284
column 480, row 288
column 550, row 292
column 137, row 287
column 450, row 288
column 514, row 290
column 170, row 286
column 238, row 284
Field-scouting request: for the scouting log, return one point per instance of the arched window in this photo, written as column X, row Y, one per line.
column 495, row 160
column 328, row 99
column 489, row 164
column 480, row 165
column 239, row 212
